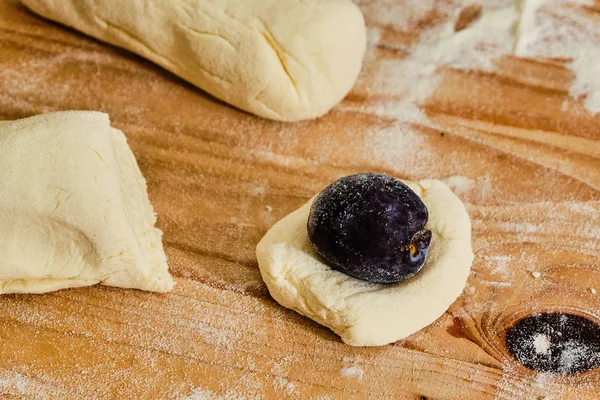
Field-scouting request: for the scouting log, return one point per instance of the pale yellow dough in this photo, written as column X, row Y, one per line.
column 286, row 60
column 74, row 209
column 362, row 313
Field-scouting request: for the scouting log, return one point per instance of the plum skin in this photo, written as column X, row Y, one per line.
column 370, row 226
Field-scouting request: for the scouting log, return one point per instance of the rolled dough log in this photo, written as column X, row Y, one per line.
column 363, row 313
column 74, row 209
column 285, row 60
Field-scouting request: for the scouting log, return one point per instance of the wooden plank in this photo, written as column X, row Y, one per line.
column 527, row 168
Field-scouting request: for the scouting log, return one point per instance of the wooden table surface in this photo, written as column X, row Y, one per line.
column 520, row 152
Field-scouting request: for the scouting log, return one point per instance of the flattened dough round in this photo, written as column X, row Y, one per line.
column 362, row 313
column 286, row 60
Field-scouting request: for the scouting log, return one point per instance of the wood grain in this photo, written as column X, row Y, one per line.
column 527, row 167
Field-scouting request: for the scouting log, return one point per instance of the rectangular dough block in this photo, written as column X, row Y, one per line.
column 74, row 210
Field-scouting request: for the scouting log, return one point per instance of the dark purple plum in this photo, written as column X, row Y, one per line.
column 370, row 226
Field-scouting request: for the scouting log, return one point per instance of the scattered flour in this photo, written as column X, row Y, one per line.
column 459, row 183
column 575, row 353
column 585, row 210
column 499, row 284
column 540, row 386
column 541, row 344
column 285, row 385
column 352, row 368
column 536, row 275
column 499, row 265
column 522, row 228
column 466, row 187
column 412, row 79
column 475, row 47
column 558, row 29
column 205, row 394
column 525, row 28
column 17, row 384
column 352, row 372
column 259, row 189
column 280, row 381
column 390, row 144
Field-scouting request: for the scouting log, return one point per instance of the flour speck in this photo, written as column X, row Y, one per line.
column 541, row 344
column 352, row 372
